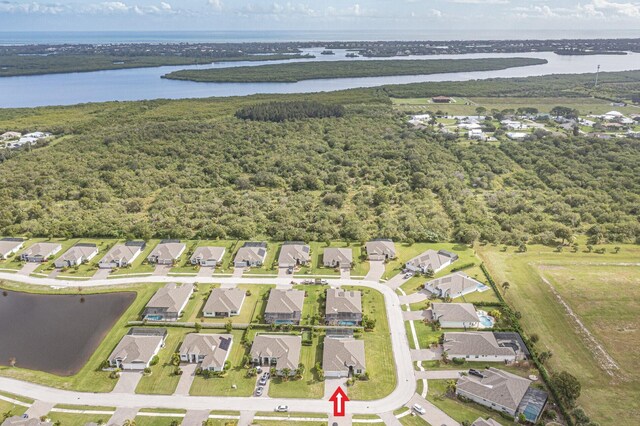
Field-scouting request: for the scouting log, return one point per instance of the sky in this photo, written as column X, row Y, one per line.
column 318, row 15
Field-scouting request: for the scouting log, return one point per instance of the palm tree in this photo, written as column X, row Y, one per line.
column 505, row 286
column 12, row 361
column 451, row 387
column 129, row 422
column 444, row 357
column 285, row 373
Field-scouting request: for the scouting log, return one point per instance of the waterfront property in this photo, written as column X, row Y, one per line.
column 278, row 351
column 477, row 346
column 167, row 252
column 294, row 254
column 343, row 357
column 380, row 249
column 208, row 256
column 122, row 255
column 503, row 391
column 168, row 302
column 251, row 254
column 454, row 285
column 431, row 260
column 137, row 348
column 10, row 246
column 284, row 307
column 40, row 252
column 343, row 307
column 453, row 315
column 76, row 255
column 224, row 302
column 335, row 257
column 210, row 351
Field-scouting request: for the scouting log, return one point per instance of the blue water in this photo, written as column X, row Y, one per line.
column 486, row 321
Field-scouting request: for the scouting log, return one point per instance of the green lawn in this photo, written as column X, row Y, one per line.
column 312, row 310
column 426, row 336
column 89, row 378
column 459, row 411
column 603, row 291
column 407, row 252
column 85, row 270
column 360, row 267
column 270, row 266
column 251, row 308
column 261, row 294
column 308, row 386
column 162, row 380
column 185, row 266
column 7, row 407
column 73, row 419
column 410, row 420
column 159, row 421
column 14, row 262
column 378, row 352
column 222, row 386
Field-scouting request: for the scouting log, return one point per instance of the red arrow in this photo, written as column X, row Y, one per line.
column 339, row 398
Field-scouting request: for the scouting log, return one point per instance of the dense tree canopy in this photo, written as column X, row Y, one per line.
column 294, row 110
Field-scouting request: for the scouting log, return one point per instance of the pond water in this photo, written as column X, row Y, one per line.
column 56, row 333
column 145, row 83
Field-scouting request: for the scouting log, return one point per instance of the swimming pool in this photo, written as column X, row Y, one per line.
column 486, row 321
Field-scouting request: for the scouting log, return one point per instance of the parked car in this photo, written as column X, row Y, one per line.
column 289, row 270
column 418, row 409
column 263, row 381
column 259, row 390
column 282, row 408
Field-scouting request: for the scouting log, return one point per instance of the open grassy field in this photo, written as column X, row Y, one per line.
column 90, row 378
column 405, row 252
column 603, row 291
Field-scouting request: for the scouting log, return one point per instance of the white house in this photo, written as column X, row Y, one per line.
column 431, row 260
column 477, row 134
column 136, row 350
column 76, row 255
column 453, row 315
column 209, row 350
column 453, row 285
column 208, row 256
column 476, row 346
column 121, row 255
column 517, row 136
column 10, row 246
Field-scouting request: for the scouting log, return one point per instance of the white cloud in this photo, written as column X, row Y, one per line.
column 216, row 4
column 599, row 8
column 481, row 1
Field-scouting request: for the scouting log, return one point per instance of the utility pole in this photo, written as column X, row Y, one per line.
column 597, row 73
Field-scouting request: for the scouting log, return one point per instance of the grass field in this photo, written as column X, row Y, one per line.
column 14, row 410
column 160, row 421
column 73, row 419
column 603, row 291
column 89, row 378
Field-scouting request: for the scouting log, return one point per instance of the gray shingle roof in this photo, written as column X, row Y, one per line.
column 384, row 247
column 292, row 253
column 431, row 259
column 136, row 348
column 9, row 244
column 337, row 255
column 285, row 348
column 171, row 297
column 454, row 312
column 121, row 252
column 167, row 251
column 474, row 343
column 208, row 253
column 454, row 283
column 224, row 300
column 42, row 249
column 339, row 300
column 497, row 386
column 340, row 354
column 252, row 252
column 79, row 251
column 285, row 301
column 214, row 347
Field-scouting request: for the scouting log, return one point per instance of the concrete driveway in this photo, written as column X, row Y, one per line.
column 101, row 274
column 433, row 415
column 330, row 386
column 121, row 415
column 161, row 270
column 376, row 270
column 28, row 268
column 398, row 280
column 426, row 354
column 39, row 409
column 237, row 272
column 345, row 273
column 206, row 271
column 195, row 417
column 186, row 380
column 419, row 296
column 413, row 315
column 128, row 382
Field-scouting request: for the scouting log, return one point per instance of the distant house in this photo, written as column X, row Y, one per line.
column 334, row 257
column 431, row 260
column 504, row 392
column 485, row 422
column 477, row 134
column 453, row 315
column 380, row 249
column 40, row 252
column 284, row 307
column 76, row 255
column 167, row 252
column 343, row 357
column 517, row 136
column 343, row 307
column 136, row 350
column 168, row 302
column 21, row 421
column 293, row 254
column 251, row 254
column 209, row 350
column 9, row 136
column 453, row 285
column 441, row 100
column 513, row 125
column 121, row 255
column 208, row 256
column 476, row 346
column 224, row 302
column 277, row 351
column 10, row 246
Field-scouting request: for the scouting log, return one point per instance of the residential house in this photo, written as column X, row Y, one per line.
column 40, row 252
column 208, row 256
column 334, row 257
column 293, row 254
column 453, row 315
column 9, row 136
column 476, row 346
column 251, row 254
column 122, row 255
column 517, row 136
column 168, row 302
column 10, row 246
column 209, row 350
column 21, row 421
column 504, row 392
column 441, row 100
column 431, row 260
column 343, row 357
column 279, row 351
column 420, row 119
column 485, row 422
column 136, row 350
column 284, row 307
column 167, row 252
column 477, row 134
column 343, row 307
column 76, row 255
column 513, row 125
column 453, row 285
column 380, row 249
column 224, row 302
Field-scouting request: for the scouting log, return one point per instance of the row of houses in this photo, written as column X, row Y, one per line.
column 17, row 140
column 342, row 356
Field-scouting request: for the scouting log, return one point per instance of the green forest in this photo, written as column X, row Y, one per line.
column 290, row 73
column 192, row 169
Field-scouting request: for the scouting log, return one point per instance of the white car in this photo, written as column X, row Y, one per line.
column 418, row 409
column 282, row 408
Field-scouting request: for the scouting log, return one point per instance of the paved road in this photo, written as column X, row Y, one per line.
column 405, row 388
column 439, row 374
column 433, row 415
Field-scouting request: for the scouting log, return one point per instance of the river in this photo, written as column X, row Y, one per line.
column 145, row 83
